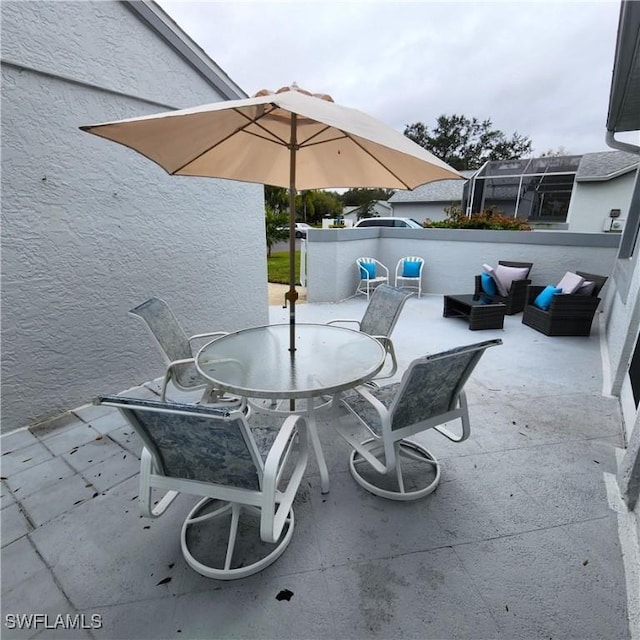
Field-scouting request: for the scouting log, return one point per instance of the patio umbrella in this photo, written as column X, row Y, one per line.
column 289, row 138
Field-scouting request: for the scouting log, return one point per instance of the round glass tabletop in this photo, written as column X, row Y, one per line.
column 256, row 362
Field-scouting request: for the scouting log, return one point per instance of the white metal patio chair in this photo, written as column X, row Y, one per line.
column 429, row 395
column 380, row 318
column 371, row 273
column 243, row 473
column 409, row 273
column 178, row 352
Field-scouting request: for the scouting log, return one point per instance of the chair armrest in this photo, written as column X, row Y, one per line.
column 217, row 334
column 533, row 291
column 477, row 291
column 277, row 504
column 573, row 304
column 345, row 320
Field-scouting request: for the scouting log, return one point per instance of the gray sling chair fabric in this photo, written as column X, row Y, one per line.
column 430, row 394
column 380, row 319
column 178, row 351
column 254, row 468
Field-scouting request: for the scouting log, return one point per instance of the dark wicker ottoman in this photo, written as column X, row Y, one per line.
column 481, row 312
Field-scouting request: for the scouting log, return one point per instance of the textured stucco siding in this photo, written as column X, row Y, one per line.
column 420, row 212
column 90, row 229
column 591, row 202
column 452, row 257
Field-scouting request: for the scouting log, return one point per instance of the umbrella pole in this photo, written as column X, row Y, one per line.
column 292, row 295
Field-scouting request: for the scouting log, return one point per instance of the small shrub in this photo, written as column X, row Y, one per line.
column 491, row 218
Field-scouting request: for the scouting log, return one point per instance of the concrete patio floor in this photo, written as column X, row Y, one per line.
column 518, row 542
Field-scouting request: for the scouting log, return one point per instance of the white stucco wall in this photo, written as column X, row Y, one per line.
column 591, row 202
column 420, row 211
column 89, row 228
column 452, row 256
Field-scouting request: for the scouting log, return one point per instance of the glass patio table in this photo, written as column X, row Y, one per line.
column 257, row 363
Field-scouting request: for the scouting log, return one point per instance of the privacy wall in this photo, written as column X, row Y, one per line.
column 90, row 229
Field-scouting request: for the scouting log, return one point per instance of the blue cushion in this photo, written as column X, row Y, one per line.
column 488, row 285
column 543, row 300
column 411, row 269
column 367, row 270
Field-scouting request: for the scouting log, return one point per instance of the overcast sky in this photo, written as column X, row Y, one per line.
column 542, row 69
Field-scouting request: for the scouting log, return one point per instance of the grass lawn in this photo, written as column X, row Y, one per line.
column 278, row 267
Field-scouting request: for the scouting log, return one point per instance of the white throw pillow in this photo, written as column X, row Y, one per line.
column 507, row 275
column 570, row 282
column 490, row 270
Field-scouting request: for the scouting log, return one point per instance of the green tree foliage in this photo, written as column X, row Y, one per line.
column 467, row 143
column 361, row 196
column 276, row 225
column 277, row 198
column 320, row 204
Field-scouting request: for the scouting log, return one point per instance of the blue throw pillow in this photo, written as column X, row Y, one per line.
column 367, row 270
column 543, row 300
column 488, row 285
column 411, row 269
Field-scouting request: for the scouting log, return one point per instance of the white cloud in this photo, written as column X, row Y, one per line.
column 542, row 69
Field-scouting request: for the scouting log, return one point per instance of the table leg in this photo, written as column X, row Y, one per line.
column 317, row 447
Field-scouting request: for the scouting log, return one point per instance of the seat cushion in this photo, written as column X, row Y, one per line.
column 367, row 270
column 544, row 298
column 570, row 282
column 411, row 269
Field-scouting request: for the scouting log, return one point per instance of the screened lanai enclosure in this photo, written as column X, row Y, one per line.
column 534, row 189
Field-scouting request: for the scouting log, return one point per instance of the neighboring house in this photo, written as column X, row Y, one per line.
column 90, row 229
column 380, row 208
column 602, row 191
column 428, row 200
column 587, row 193
column 622, row 303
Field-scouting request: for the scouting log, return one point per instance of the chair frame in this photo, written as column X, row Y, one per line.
column 273, row 505
column 385, row 340
column 367, row 285
column 394, row 444
column 517, row 298
column 570, row 314
column 416, row 280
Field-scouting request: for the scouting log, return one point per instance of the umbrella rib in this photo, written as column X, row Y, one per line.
column 395, row 175
column 274, row 138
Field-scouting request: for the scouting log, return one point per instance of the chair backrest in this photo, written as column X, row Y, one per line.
column 194, row 442
column 401, row 262
column 165, row 328
column 364, row 273
column 383, row 310
column 431, row 385
column 599, row 281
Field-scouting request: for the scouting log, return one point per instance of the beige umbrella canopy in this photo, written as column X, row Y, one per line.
column 288, row 138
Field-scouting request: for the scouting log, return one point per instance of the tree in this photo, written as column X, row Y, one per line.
column 276, row 225
column 277, row 198
column 362, row 196
column 467, row 143
column 555, row 153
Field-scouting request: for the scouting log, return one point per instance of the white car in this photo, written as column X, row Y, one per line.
column 398, row 223
column 301, row 229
